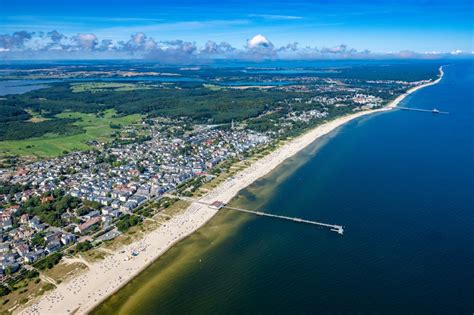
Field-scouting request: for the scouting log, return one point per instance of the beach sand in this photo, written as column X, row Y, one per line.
column 81, row 294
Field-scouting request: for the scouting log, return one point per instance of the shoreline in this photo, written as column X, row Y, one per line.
column 85, row 292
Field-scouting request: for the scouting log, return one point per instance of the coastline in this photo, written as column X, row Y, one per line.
column 83, row 293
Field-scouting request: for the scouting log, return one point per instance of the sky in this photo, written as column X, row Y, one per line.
column 183, row 30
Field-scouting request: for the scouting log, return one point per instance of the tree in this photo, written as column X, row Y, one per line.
column 83, row 246
column 38, row 239
column 4, row 290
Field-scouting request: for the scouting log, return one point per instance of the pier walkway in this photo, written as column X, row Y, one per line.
column 333, row 227
column 434, row 110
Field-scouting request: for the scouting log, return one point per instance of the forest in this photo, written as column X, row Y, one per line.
column 192, row 99
column 200, row 104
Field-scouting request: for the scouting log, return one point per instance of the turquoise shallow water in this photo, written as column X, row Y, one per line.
column 402, row 184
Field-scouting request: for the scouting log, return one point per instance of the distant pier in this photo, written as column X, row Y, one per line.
column 433, row 111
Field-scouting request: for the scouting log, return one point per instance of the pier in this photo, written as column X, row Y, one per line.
column 335, row 228
column 219, row 205
column 433, row 111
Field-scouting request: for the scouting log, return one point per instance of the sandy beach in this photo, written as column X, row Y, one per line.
column 81, row 294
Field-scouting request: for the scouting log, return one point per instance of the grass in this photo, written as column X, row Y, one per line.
column 63, row 271
column 177, row 207
column 51, row 145
column 108, row 86
column 21, row 296
column 213, row 87
column 94, row 255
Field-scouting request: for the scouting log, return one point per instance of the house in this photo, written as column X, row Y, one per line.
column 107, row 210
column 34, row 221
column 52, row 236
column 138, row 199
column 87, row 225
column 5, row 225
column 92, row 214
column 107, row 220
column 26, row 195
column 116, row 213
column 24, row 218
column 4, row 247
column 115, row 204
column 128, row 206
column 53, row 246
column 36, row 224
column 68, row 239
column 123, row 195
column 22, row 249
column 144, row 191
column 31, row 257
column 5, row 216
column 105, row 200
column 12, row 267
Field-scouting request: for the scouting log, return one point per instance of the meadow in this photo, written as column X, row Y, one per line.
column 96, row 127
column 109, row 86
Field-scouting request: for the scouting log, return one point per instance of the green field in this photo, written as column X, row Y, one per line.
column 50, row 145
column 213, row 87
column 108, row 86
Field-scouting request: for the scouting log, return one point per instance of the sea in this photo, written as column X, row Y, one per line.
column 402, row 185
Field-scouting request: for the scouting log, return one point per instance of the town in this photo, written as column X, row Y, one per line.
column 87, row 197
column 83, row 195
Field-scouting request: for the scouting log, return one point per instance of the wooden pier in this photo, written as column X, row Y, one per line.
column 335, row 228
column 219, row 205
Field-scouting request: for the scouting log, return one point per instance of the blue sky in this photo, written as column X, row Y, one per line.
column 378, row 26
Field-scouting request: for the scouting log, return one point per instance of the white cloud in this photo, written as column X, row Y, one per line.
column 55, row 45
column 433, row 52
column 259, row 41
column 86, row 41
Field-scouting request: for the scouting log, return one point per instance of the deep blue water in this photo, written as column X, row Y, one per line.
column 402, row 184
column 22, row 86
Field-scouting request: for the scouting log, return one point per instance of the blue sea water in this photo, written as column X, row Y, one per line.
column 402, row 184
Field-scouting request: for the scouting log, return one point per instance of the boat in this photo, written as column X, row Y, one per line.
column 435, row 111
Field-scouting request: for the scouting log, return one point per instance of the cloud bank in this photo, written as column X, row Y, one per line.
column 55, row 45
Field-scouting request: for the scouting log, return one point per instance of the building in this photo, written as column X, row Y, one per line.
column 217, row 205
column 87, row 225
column 68, row 239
